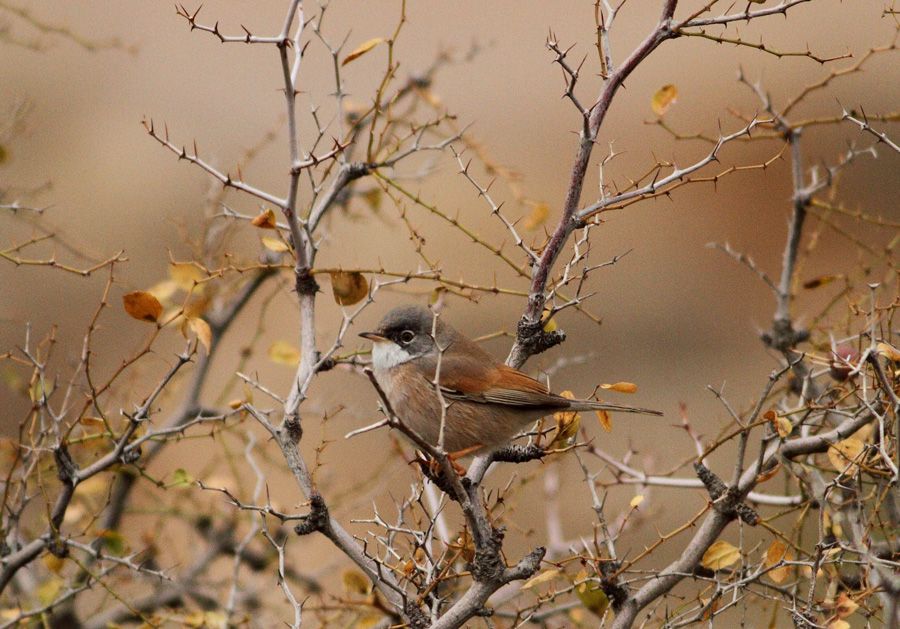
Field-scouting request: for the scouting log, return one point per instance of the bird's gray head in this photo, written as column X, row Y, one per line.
column 405, row 333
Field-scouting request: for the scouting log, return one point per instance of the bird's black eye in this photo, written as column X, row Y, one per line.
column 407, row 336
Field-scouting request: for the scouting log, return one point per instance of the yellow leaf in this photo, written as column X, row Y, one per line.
column 839, row 624
column 720, row 555
column 163, row 290
column 637, row 500
column 274, row 244
column 264, row 220
column 549, row 322
column 888, row 351
column 10, row 613
column 373, row 198
column 349, row 287
column 781, row 424
column 203, row 331
column 567, row 424
column 544, row 577
column 235, row 404
column 90, row 421
column 284, row 353
column 195, row 306
column 53, row 563
column 539, row 214
column 355, row 582
column 368, row 621
column 142, row 306
column 621, row 387
column 844, row 606
column 844, row 454
column 49, row 590
column 591, row 594
column 185, row 275
column 663, row 99
column 605, row 420
column 778, row 551
column 362, row 49
column 822, row 280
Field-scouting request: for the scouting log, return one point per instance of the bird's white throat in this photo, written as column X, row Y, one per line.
column 386, row 355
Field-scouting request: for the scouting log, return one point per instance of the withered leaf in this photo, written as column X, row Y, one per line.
column 544, row 577
column 844, row 454
column 844, row 605
column 720, row 555
column 142, row 306
column 203, row 331
column 605, row 420
column 621, row 387
column 778, row 551
column 663, row 99
column 822, row 280
column 781, row 424
column 274, row 244
column 537, row 216
column 349, row 287
column 362, row 49
column 264, row 220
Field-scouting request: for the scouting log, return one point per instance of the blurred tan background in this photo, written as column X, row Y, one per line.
column 676, row 315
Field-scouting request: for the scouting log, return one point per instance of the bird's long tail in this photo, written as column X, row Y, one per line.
column 586, row 405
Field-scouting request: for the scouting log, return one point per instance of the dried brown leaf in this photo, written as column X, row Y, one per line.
column 349, row 287
column 362, row 49
column 142, row 306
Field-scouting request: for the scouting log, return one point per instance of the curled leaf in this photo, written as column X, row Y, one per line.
column 349, row 287
column 663, row 99
column 203, row 331
column 362, row 49
column 822, row 280
column 605, row 420
column 844, row 605
column 781, row 424
column 264, row 220
column 142, row 306
column 567, row 424
column 720, row 555
column 549, row 322
column 621, row 387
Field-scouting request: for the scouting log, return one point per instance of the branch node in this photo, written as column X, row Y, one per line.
column 316, row 519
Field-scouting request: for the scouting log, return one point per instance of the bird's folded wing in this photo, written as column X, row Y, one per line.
column 508, row 386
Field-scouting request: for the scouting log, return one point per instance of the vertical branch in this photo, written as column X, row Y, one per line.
column 530, row 336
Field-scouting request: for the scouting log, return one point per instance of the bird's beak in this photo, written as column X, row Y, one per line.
column 373, row 336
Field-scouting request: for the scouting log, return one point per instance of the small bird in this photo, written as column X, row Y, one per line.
column 487, row 402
